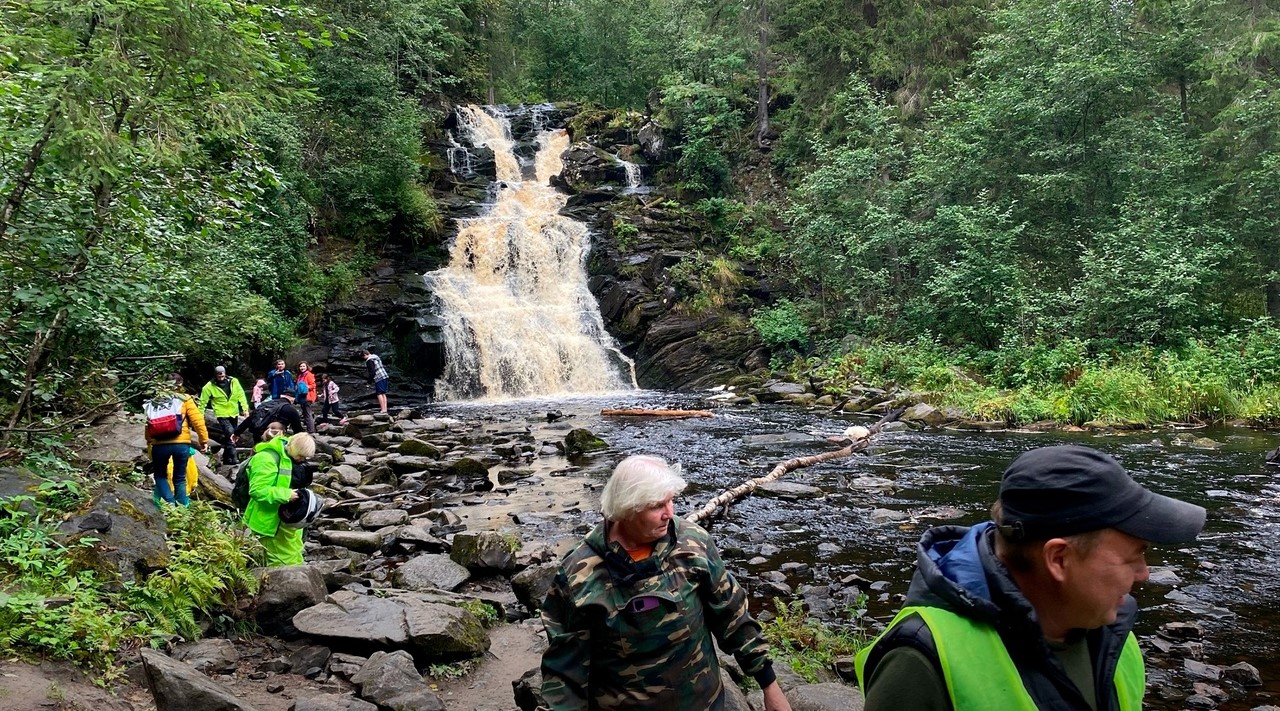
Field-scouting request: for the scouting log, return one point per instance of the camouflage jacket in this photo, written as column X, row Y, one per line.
column 646, row 643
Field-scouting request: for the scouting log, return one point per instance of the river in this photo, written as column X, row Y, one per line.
column 1227, row 577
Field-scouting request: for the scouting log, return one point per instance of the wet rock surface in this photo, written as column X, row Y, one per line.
column 542, row 503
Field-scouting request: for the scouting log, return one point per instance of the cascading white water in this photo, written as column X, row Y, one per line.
column 519, row 318
column 633, row 178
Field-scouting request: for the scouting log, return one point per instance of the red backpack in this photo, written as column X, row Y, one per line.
column 164, row 419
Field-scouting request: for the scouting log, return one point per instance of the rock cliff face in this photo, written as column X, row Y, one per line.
column 641, row 240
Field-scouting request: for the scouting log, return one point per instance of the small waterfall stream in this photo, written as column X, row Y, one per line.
column 519, row 318
column 634, row 178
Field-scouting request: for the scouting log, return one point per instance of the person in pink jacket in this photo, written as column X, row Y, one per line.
column 329, row 399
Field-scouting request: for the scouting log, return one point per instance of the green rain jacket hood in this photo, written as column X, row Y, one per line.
column 270, row 475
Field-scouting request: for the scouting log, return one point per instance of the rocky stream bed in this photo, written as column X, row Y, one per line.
column 446, row 515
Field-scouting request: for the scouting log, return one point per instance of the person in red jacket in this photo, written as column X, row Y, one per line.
column 306, row 387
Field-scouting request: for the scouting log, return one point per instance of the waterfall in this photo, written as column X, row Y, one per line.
column 634, row 185
column 519, row 319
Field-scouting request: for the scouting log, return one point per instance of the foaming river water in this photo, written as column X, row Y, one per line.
column 1228, row 577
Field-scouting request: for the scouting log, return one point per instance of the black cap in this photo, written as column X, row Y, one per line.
column 1069, row 489
column 288, row 392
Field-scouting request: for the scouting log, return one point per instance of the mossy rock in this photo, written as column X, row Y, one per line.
column 415, row 447
column 468, row 468
column 130, row 536
column 580, row 441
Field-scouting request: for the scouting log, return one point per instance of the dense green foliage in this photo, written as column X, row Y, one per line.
column 166, row 169
column 987, row 178
column 51, row 604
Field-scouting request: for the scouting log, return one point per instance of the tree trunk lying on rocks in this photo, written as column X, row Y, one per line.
column 859, row 442
column 639, row 412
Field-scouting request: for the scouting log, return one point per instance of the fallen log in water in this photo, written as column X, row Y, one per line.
column 640, row 412
column 750, row 485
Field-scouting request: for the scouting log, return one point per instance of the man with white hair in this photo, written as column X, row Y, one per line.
column 632, row 612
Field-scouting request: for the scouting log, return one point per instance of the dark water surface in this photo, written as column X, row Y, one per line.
column 1228, row 577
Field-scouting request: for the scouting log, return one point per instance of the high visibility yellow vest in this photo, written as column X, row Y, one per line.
column 979, row 673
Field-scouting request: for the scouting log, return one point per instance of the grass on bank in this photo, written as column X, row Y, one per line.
column 810, row 645
column 50, row 607
column 1235, row 377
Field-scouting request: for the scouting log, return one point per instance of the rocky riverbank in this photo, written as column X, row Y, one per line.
column 441, row 535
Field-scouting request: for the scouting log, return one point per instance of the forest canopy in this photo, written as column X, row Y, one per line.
column 986, row 177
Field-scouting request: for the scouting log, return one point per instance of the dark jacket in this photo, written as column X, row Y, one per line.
column 270, row 411
column 957, row 570
column 280, row 381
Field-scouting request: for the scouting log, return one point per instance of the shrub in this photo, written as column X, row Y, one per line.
column 781, row 325
column 808, row 644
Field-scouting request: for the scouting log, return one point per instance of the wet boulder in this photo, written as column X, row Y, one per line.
column 528, row 690
column 431, row 631
column 531, row 584
column 415, row 447
column 130, row 535
column 283, row 593
column 1273, row 457
column 580, row 441
column 924, row 414
column 830, row 696
column 468, row 468
column 788, row 490
column 346, row 475
column 178, row 687
column 381, row 518
column 485, row 550
column 211, row 656
column 431, row 572
column 358, row 541
column 19, row 482
column 392, row 682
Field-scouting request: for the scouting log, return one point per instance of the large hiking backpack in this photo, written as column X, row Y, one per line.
column 240, row 489
column 263, row 414
column 164, row 418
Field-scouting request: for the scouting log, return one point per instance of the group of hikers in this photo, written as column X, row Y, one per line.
column 276, row 501
column 1030, row 610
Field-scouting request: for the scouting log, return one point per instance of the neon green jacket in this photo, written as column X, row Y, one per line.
column 223, row 406
column 979, row 673
column 270, row 475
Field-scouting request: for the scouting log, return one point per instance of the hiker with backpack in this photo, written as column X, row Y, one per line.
column 278, row 409
column 225, row 395
column 271, row 488
column 305, row 386
column 171, row 415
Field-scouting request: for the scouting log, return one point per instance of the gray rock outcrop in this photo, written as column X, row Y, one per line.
column 285, row 592
column 391, row 681
column 430, row 631
column 177, row 687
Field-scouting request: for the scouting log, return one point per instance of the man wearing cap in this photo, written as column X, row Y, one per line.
column 227, row 399
column 1032, row 609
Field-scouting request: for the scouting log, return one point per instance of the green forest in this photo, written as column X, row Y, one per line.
column 1041, row 209
column 1028, row 210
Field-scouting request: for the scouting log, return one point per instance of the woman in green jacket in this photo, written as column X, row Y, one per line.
column 270, row 475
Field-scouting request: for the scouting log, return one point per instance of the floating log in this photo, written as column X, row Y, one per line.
column 640, row 412
column 750, row 485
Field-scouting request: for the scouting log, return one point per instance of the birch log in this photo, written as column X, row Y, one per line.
column 745, row 488
column 635, row 412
